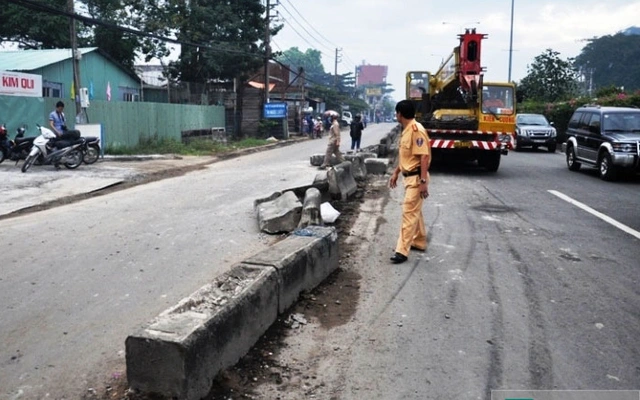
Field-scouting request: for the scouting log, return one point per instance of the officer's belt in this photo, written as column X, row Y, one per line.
column 411, row 173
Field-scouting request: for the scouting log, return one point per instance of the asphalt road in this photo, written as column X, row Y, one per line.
column 519, row 289
column 75, row 280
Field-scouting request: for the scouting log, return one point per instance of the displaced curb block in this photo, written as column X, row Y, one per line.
column 316, row 160
column 358, row 168
column 302, row 262
column 179, row 354
column 278, row 213
column 311, row 208
column 377, row 166
column 341, row 181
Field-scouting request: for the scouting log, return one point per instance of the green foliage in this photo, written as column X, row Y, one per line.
column 33, row 29
column 612, row 60
column 560, row 112
column 266, row 127
column 335, row 98
column 172, row 146
column 310, row 60
column 608, row 91
column 549, row 78
column 119, row 45
column 231, row 29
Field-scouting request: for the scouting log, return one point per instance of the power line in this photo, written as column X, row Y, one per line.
column 350, row 67
column 305, row 39
column 303, row 28
column 314, row 29
column 32, row 5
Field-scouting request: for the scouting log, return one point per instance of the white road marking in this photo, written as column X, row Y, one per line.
column 598, row 214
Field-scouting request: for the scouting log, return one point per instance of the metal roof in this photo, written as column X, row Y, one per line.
column 29, row 60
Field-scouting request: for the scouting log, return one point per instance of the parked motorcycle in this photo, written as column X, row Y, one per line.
column 91, row 149
column 16, row 149
column 48, row 150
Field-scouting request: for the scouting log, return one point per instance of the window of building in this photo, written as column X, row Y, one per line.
column 129, row 94
column 52, row 89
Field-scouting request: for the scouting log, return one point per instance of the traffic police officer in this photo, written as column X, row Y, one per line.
column 333, row 147
column 414, row 160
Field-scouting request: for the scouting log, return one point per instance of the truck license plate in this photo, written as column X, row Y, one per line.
column 462, row 145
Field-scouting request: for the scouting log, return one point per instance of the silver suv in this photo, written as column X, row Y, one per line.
column 607, row 138
column 533, row 130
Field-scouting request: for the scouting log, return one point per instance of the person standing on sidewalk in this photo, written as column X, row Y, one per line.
column 414, row 158
column 333, row 147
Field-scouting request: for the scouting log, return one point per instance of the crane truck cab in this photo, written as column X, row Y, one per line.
column 465, row 117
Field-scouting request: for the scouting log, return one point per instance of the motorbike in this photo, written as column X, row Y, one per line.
column 16, row 149
column 47, row 150
column 91, row 149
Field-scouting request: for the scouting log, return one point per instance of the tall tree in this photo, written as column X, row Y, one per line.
column 119, row 45
column 310, row 60
column 229, row 30
column 35, row 29
column 611, row 61
column 549, row 78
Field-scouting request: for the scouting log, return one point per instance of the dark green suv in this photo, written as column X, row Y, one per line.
column 607, row 138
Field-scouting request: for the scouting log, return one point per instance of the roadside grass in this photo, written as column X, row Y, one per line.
column 197, row 147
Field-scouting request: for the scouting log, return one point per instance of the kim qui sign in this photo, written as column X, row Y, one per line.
column 275, row 110
column 20, row 84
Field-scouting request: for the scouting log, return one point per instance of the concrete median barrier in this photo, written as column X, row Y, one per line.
column 303, row 260
column 341, row 181
column 179, row 353
column 358, row 169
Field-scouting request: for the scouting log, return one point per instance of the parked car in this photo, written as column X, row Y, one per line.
column 533, row 130
column 607, row 138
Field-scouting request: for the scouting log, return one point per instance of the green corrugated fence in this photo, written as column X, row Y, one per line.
column 123, row 123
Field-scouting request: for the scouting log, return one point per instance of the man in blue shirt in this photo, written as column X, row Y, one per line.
column 58, row 123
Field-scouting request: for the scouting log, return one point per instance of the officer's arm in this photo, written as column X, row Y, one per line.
column 425, row 161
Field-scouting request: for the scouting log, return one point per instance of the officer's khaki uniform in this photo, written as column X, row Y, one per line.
column 333, row 147
column 414, row 143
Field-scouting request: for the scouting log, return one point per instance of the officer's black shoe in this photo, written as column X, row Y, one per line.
column 398, row 258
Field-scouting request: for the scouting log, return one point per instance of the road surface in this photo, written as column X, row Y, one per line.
column 75, row 280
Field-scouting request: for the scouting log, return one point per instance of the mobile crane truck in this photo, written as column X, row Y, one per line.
column 465, row 117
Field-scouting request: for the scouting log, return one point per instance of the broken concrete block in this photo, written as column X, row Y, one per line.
column 279, row 215
column 341, row 181
column 358, row 168
column 377, row 166
column 316, row 160
column 311, row 214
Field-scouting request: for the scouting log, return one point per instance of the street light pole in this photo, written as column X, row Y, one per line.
column 511, row 42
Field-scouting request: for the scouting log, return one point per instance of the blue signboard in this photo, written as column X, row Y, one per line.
column 275, row 110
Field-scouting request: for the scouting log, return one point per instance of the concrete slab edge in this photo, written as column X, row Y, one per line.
column 180, row 352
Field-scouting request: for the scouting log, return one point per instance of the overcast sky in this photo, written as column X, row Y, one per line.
column 410, row 34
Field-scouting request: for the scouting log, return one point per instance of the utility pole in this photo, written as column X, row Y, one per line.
column 267, row 51
column 75, row 55
column 335, row 76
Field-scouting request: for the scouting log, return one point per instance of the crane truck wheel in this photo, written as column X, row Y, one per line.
column 490, row 161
